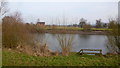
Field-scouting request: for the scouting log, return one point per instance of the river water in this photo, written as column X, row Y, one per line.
column 80, row 42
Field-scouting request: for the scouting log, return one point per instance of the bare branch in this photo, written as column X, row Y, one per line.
column 3, row 8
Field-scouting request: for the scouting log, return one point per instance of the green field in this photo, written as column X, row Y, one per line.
column 11, row 58
column 71, row 28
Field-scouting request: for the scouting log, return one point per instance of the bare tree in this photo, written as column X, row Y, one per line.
column 17, row 16
column 65, row 43
column 3, row 8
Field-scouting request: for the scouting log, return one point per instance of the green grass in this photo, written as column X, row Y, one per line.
column 74, row 28
column 0, row 57
column 102, row 29
column 11, row 58
column 61, row 28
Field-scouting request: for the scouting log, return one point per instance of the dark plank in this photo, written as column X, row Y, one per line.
column 89, row 53
column 90, row 50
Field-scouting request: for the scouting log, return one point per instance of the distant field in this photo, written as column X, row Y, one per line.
column 71, row 28
column 102, row 29
column 19, row 59
column 74, row 28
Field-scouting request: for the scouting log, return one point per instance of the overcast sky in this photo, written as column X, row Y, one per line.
column 63, row 0
column 72, row 11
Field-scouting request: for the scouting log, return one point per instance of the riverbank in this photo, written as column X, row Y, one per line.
column 76, row 32
column 11, row 58
column 72, row 30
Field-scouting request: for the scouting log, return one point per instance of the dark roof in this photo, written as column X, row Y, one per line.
column 40, row 22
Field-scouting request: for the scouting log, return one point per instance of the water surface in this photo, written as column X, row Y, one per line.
column 80, row 42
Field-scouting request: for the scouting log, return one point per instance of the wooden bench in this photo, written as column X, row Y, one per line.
column 82, row 51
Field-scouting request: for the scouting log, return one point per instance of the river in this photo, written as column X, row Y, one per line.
column 80, row 42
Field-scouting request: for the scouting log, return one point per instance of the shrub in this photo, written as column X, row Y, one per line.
column 113, row 37
column 87, row 27
column 14, row 32
column 65, row 43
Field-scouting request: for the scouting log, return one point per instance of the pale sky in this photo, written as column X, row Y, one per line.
column 72, row 11
column 63, row 0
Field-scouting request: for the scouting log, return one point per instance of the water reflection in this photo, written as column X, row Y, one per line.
column 39, row 37
column 84, row 36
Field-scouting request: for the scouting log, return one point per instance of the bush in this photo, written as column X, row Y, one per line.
column 87, row 27
column 113, row 37
column 65, row 43
column 14, row 32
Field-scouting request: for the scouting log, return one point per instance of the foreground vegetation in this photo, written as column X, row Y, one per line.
column 12, row 58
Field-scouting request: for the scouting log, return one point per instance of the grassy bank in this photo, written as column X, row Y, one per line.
column 71, row 30
column 11, row 58
column 74, row 28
